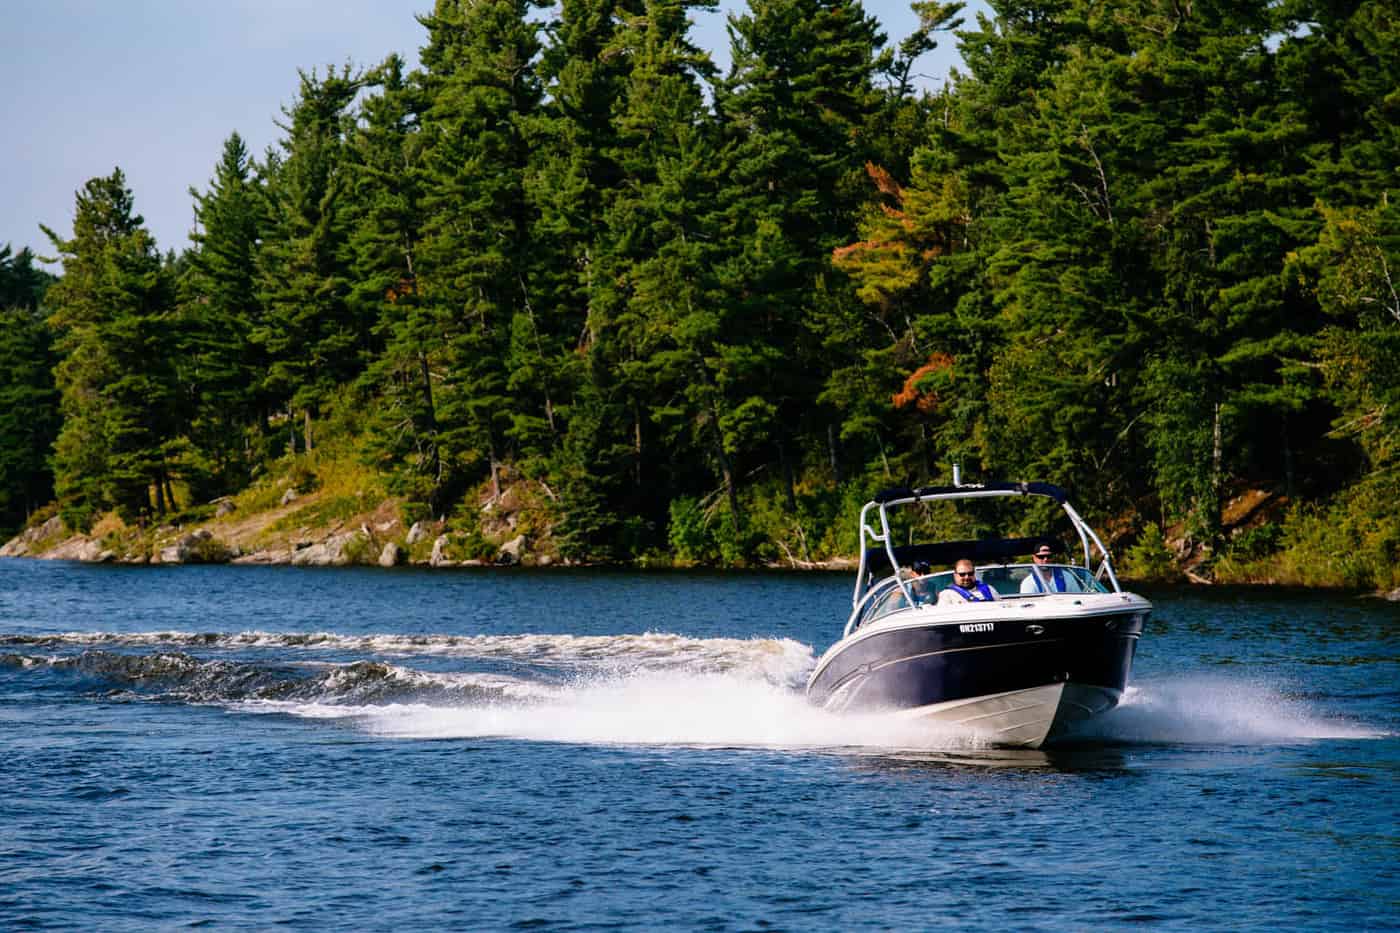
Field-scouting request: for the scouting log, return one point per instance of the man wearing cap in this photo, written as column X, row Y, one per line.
column 919, row 583
column 1046, row 579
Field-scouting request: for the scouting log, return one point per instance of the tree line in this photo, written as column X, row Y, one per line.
column 1147, row 250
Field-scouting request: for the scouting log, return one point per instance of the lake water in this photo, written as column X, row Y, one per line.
column 249, row 747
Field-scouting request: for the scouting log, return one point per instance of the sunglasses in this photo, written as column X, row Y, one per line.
column 1043, row 556
column 964, row 573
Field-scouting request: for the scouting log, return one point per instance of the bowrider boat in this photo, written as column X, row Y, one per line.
column 1018, row 670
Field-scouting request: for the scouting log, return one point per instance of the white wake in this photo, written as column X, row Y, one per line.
column 1206, row 710
column 669, row 708
column 653, row 709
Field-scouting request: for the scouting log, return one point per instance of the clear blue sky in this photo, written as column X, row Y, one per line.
column 156, row 86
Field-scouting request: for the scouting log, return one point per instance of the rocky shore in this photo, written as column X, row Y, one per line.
column 277, row 536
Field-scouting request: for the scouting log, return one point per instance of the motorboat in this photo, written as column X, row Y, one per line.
column 1052, row 649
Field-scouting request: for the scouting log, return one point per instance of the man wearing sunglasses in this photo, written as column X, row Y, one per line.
column 966, row 588
column 1044, row 578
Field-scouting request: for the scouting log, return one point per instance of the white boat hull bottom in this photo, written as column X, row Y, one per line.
column 1018, row 718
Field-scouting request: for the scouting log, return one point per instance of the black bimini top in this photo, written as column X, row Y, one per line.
column 922, row 492
column 942, row 554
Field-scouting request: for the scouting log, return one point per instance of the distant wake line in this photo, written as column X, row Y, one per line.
column 652, row 689
column 652, row 649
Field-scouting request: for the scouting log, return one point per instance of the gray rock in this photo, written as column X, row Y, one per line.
column 224, row 507
column 511, row 551
column 545, row 561
column 1393, row 595
column 197, row 547
column 289, row 496
column 77, row 547
column 419, row 532
column 439, row 558
column 274, row 556
column 335, row 551
column 25, row 542
column 390, row 556
column 84, row 549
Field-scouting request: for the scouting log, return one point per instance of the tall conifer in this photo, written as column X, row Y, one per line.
column 112, row 312
column 479, row 75
column 29, row 418
column 314, row 339
column 223, row 368
column 796, row 106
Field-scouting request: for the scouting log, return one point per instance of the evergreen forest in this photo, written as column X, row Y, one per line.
column 1148, row 250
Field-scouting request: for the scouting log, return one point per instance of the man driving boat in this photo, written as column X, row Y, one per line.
column 966, row 588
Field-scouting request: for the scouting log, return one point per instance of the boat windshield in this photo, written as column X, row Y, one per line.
column 1010, row 581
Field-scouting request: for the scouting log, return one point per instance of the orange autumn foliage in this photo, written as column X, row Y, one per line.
column 923, row 401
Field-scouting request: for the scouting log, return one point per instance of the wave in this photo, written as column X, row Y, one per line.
column 780, row 660
column 738, row 708
column 179, row 676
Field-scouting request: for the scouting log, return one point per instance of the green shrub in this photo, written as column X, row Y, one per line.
column 357, row 550
column 734, row 546
column 1354, row 542
column 1251, row 543
column 302, row 475
column 77, row 515
column 469, row 543
column 688, row 532
column 39, row 516
column 1150, row 559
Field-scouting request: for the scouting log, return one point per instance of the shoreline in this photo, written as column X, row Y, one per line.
column 88, row 550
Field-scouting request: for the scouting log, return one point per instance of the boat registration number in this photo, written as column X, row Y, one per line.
column 977, row 627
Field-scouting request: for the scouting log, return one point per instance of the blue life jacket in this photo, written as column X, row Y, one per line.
column 984, row 591
column 1058, row 576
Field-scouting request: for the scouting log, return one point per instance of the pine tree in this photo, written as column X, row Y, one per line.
column 22, row 285
column 797, row 107
column 222, row 366
column 575, row 173
column 29, row 419
column 112, row 312
column 572, row 177
column 388, row 189
column 1341, row 73
column 650, row 277
column 474, row 270
column 313, row 338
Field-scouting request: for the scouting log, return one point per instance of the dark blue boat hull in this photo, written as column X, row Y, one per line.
column 892, row 668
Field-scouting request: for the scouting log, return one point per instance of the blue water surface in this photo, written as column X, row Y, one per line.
column 251, row 747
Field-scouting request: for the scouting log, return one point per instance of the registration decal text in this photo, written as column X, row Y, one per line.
column 977, row 627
